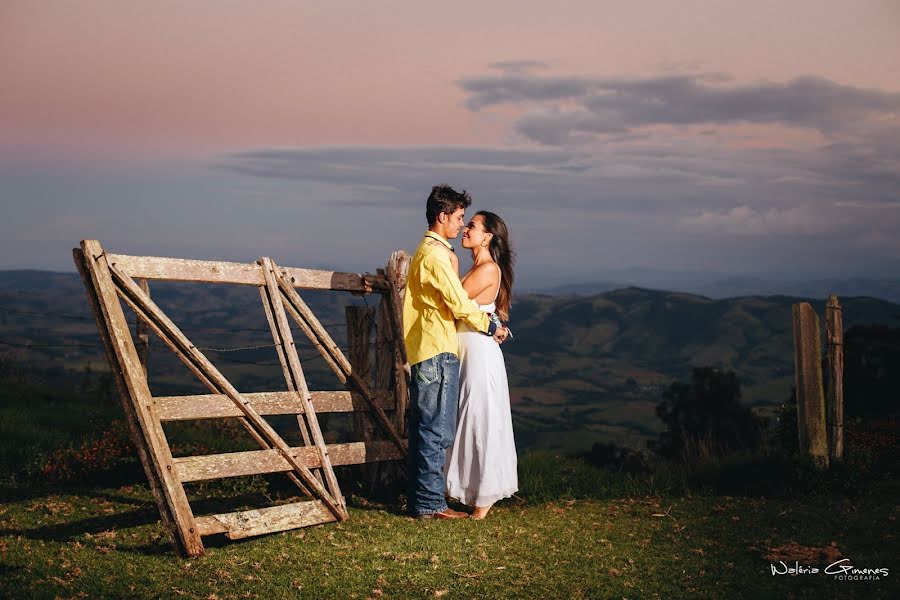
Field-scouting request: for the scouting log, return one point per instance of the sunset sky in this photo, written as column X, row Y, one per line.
column 730, row 137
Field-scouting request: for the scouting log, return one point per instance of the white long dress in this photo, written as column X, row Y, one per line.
column 481, row 467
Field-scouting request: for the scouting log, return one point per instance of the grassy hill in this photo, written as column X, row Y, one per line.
column 592, row 368
column 582, row 368
column 721, row 286
column 79, row 520
column 107, row 542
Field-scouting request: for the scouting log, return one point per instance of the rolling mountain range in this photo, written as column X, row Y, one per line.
column 583, row 368
column 712, row 286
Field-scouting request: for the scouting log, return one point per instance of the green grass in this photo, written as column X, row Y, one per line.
column 573, row 531
column 583, row 533
column 36, row 420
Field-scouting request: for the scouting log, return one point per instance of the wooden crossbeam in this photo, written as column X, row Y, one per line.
column 258, row 462
column 207, row 271
column 248, row 523
column 341, row 366
column 166, row 329
column 219, row 406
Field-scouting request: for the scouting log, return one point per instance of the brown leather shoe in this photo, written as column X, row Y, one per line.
column 447, row 513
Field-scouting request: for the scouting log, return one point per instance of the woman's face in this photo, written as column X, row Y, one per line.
column 475, row 236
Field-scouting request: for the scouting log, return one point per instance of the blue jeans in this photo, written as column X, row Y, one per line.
column 434, row 400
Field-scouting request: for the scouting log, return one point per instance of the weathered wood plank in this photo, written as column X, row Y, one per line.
column 834, row 390
column 208, row 271
column 258, row 462
column 267, row 302
column 297, row 381
column 811, row 428
column 219, row 406
column 396, row 272
column 182, row 351
column 134, row 425
column 131, row 380
column 248, row 523
column 341, row 365
column 165, row 328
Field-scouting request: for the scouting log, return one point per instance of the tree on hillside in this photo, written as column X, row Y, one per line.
column 705, row 417
column 871, row 371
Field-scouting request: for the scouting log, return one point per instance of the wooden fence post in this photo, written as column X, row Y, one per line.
column 390, row 370
column 811, row 425
column 834, row 337
column 392, row 305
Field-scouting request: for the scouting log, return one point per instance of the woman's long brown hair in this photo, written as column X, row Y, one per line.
column 505, row 258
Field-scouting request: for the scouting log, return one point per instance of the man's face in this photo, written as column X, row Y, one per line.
column 454, row 223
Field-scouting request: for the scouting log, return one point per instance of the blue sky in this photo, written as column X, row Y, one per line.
column 722, row 137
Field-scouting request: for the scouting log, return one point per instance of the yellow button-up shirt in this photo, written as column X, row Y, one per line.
column 434, row 300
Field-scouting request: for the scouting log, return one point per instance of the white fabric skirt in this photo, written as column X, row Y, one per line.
column 481, row 467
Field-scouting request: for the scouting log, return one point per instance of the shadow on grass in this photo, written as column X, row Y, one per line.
column 71, row 530
column 21, row 493
column 9, row 570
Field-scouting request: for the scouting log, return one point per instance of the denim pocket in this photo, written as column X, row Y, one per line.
column 427, row 371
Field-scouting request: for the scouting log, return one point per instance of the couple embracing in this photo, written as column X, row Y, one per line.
column 460, row 429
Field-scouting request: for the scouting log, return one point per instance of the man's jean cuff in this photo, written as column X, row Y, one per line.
column 421, row 513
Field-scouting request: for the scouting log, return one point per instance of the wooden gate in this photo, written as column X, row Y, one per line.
column 111, row 277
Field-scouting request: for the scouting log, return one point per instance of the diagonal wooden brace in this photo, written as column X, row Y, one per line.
column 147, row 309
column 294, row 374
column 325, row 344
column 193, row 367
column 279, row 345
column 134, row 393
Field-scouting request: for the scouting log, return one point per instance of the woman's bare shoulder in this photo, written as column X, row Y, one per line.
column 486, row 268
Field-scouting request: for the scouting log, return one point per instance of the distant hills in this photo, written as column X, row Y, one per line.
column 589, row 368
column 884, row 288
column 583, row 366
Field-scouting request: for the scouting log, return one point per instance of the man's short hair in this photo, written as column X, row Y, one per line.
column 444, row 199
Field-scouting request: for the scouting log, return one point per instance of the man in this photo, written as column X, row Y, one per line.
column 434, row 300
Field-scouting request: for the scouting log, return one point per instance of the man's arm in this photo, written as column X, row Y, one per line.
column 446, row 282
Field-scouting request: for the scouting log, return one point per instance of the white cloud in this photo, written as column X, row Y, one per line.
column 744, row 220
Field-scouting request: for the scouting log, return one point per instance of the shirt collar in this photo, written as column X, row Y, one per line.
column 433, row 235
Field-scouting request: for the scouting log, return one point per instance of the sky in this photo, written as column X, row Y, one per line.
column 725, row 138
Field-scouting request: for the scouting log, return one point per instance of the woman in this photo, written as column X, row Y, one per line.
column 481, row 466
